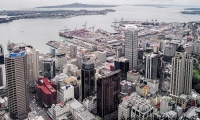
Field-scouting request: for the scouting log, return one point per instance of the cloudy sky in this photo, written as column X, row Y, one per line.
column 17, row 4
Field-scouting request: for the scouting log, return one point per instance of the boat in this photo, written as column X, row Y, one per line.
column 115, row 21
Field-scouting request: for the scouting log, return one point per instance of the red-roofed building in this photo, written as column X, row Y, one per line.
column 46, row 92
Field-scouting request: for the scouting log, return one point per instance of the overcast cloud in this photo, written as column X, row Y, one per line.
column 18, row 4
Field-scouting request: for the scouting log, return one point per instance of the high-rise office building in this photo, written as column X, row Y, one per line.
column 2, row 68
column 87, row 79
column 181, row 78
column 151, row 66
column 33, row 65
column 108, row 90
column 123, row 65
column 49, row 68
column 17, row 84
column 131, row 47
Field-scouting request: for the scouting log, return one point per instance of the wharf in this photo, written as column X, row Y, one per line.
column 54, row 44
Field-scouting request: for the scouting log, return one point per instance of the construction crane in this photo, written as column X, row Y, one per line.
column 85, row 25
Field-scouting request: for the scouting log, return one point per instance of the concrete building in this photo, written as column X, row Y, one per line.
column 188, row 48
column 171, row 115
column 182, row 68
column 101, row 56
column 127, row 87
column 108, row 89
column 2, row 68
column 163, row 43
column 142, row 111
column 169, row 52
column 124, row 110
column 61, row 59
column 66, row 93
column 78, row 111
column 131, row 47
column 196, row 48
column 133, row 75
column 87, row 79
column 73, row 51
column 123, row 49
column 80, row 60
column 34, row 116
column 90, row 103
column 33, row 65
column 49, row 68
column 17, row 84
column 164, row 104
column 59, row 110
column 151, row 66
column 119, row 52
column 4, row 103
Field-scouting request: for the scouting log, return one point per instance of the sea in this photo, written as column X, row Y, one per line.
column 37, row 32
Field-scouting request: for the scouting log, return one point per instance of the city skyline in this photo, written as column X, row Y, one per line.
column 24, row 4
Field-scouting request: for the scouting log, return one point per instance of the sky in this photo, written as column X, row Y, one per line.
column 18, row 4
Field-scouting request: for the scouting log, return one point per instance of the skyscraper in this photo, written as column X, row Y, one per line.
column 123, row 65
column 17, row 84
column 151, row 66
column 182, row 68
column 87, row 79
column 2, row 68
column 108, row 89
column 33, row 65
column 131, row 47
column 49, row 68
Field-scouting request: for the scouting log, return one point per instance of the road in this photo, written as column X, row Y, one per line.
column 35, row 107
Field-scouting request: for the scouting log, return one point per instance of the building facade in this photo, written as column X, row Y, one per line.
column 87, row 79
column 46, row 92
column 123, row 65
column 33, row 65
column 131, row 47
column 119, row 52
column 2, row 68
column 151, row 66
column 49, row 68
column 108, row 89
column 17, row 84
column 164, row 104
column 182, row 70
column 142, row 111
column 73, row 51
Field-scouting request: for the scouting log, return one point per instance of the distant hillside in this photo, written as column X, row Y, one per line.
column 78, row 5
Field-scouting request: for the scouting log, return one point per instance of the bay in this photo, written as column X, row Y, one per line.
column 37, row 32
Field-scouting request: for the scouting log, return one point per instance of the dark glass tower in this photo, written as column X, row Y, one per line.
column 108, row 90
column 87, row 79
column 49, row 68
column 1, row 55
column 123, row 65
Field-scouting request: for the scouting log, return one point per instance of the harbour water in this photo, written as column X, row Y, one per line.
column 38, row 32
